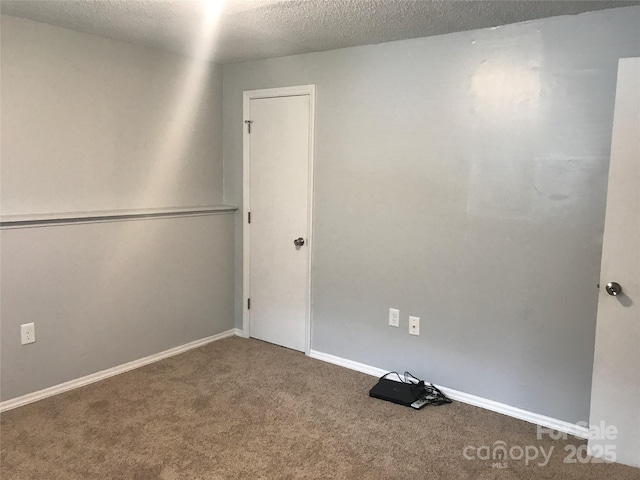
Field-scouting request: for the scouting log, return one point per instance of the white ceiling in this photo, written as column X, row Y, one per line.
column 254, row 29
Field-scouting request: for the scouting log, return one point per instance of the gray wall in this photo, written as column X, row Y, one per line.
column 462, row 179
column 104, row 294
column 88, row 124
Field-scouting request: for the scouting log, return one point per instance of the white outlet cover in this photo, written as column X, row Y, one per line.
column 414, row 325
column 27, row 333
column 394, row 317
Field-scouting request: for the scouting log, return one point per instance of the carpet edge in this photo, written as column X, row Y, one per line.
column 514, row 412
column 110, row 372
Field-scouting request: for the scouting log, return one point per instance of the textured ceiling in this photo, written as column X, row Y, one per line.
column 254, row 29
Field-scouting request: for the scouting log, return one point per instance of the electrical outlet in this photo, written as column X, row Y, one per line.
column 394, row 317
column 414, row 325
column 27, row 333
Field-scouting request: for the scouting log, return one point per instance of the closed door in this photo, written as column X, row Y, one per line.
column 278, row 137
column 615, row 396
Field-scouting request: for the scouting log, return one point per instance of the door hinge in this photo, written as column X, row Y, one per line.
column 249, row 217
column 248, row 304
column 248, row 122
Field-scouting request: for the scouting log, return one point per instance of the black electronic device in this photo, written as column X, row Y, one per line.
column 396, row 392
column 407, row 392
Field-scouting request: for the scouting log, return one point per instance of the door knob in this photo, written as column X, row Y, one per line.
column 613, row 288
column 298, row 242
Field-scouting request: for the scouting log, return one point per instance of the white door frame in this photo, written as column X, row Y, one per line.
column 247, row 96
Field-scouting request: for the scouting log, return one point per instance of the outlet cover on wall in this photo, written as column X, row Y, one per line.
column 27, row 333
column 394, row 317
column 414, row 325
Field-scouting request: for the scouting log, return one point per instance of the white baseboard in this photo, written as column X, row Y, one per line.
column 535, row 418
column 110, row 372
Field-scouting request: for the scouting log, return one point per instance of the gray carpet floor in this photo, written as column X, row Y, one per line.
column 244, row 409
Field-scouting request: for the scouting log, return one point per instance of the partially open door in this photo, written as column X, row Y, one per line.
column 615, row 394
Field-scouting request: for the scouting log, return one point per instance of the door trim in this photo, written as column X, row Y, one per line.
column 247, row 96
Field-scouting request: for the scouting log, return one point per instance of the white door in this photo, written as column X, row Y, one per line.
column 278, row 146
column 615, row 394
